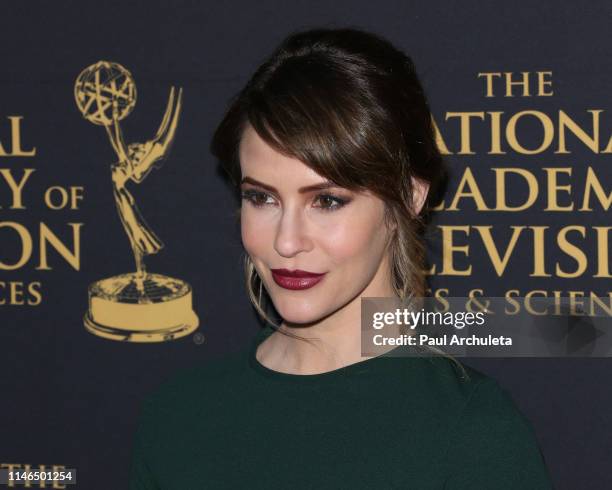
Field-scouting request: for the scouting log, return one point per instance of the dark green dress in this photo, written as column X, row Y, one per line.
column 384, row 423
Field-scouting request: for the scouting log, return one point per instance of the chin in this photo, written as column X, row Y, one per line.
column 296, row 311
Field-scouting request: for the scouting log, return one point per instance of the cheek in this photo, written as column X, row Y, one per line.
column 359, row 236
column 255, row 236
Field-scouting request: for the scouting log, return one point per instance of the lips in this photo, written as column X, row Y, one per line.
column 297, row 279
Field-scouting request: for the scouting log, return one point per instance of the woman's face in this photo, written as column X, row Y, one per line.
column 332, row 231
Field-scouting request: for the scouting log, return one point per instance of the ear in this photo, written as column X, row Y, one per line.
column 420, row 189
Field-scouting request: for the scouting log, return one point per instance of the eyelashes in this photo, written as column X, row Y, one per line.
column 329, row 202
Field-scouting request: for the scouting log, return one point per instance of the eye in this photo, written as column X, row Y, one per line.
column 330, row 202
column 256, row 198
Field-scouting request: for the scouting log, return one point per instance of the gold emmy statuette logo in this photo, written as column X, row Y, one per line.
column 137, row 306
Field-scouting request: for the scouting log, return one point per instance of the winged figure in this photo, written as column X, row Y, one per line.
column 135, row 162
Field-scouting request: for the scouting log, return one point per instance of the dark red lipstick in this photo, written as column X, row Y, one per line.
column 296, row 279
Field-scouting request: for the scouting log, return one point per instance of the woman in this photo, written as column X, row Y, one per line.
column 332, row 149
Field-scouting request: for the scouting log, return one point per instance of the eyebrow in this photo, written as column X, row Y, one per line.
column 316, row 187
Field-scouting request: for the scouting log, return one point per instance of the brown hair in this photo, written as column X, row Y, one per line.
column 350, row 106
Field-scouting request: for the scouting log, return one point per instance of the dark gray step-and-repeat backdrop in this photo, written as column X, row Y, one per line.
column 520, row 94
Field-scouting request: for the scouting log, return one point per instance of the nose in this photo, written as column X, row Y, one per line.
column 291, row 234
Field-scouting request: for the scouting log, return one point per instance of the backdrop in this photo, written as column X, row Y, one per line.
column 520, row 96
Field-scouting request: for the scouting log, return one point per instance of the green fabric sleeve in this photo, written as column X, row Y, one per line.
column 140, row 475
column 493, row 445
